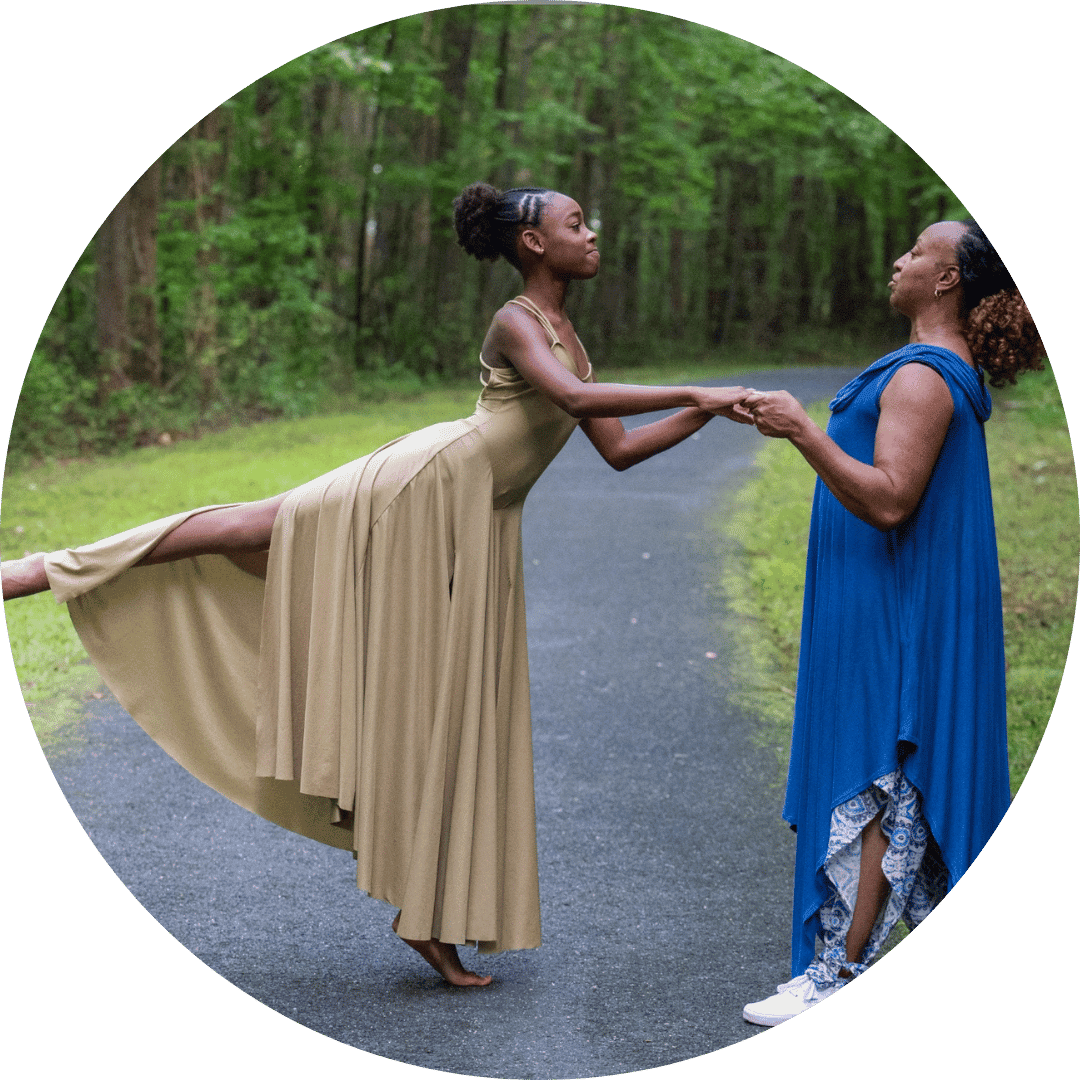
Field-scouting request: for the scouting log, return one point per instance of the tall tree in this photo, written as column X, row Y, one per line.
column 304, row 246
column 129, row 341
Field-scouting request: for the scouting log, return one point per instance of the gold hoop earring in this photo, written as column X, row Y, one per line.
column 937, row 294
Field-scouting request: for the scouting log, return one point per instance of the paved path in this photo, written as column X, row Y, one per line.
column 664, row 865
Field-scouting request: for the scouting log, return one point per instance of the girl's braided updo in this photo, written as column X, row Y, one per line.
column 488, row 221
column 999, row 330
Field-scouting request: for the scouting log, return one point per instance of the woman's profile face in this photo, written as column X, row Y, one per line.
column 569, row 243
column 918, row 271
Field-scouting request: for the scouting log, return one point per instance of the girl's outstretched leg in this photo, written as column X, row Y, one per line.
column 444, row 959
column 239, row 532
column 25, row 576
column 226, row 530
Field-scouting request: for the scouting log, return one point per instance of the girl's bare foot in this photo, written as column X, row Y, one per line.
column 25, row 576
column 444, row 959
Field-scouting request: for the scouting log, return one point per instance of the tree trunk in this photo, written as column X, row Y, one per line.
column 675, row 282
column 848, row 299
column 745, row 244
column 459, row 32
column 129, row 340
column 206, row 170
column 506, row 97
column 792, row 305
column 716, row 238
column 366, row 239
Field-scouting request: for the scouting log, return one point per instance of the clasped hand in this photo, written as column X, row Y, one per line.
column 774, row 412
column 725, row 401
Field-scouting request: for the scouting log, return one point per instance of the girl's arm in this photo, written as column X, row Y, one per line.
column 621, row 448
column 916, row 408
column 517, row 338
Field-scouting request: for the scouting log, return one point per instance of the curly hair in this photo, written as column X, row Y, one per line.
column 999, row 328
column 487, row 221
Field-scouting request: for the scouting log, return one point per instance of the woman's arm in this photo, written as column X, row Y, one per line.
column 916, row 408
column 518, row 339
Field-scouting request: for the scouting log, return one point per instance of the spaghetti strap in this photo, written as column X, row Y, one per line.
column 528, row 305
column 532, row 309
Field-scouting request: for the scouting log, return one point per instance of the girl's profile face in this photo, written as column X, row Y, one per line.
column 569, row 243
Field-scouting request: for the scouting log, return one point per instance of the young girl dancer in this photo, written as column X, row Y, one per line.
column 349, row 659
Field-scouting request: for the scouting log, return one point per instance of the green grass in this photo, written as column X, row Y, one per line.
column 1035, row 504
column 63, row 504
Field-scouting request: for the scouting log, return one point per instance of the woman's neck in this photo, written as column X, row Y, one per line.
column 942, row 329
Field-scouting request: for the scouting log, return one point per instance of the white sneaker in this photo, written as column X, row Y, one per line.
column 790, row 999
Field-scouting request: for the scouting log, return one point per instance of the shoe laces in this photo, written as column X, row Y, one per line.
column 802, row 986
column 812, row 983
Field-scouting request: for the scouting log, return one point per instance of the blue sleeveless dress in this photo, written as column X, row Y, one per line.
column 902, row 662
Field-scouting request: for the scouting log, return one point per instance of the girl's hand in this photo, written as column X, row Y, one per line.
column 776, row 413
column 725, row 401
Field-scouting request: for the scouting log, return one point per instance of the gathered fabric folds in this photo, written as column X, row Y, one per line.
column 373, row 692
column 427, row 589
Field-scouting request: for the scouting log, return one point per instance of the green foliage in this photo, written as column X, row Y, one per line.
column 304, row 238
column 53, row 398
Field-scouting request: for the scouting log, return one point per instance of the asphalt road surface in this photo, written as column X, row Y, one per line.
column 665, row 868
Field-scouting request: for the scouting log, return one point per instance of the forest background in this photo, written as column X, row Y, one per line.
column 293, row 252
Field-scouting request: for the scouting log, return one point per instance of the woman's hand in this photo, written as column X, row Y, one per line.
column 776, row 413
column 915, row 409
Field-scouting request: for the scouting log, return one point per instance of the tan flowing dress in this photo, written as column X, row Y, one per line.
column 373, row 692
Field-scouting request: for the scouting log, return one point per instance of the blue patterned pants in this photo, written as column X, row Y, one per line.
column 912, row 866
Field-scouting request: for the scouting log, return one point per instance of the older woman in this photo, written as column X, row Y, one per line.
column 899, row 768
